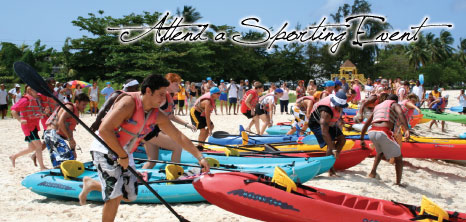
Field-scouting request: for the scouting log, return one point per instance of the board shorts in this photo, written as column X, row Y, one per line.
column 233, row 100
column 384, row 142
column 58, row 148
column 333, row 130
column 33, row 135
column 180, row 103
column 197, row 120
column 115, row 180
column 154, row 133
column 260, row 110
column 223, row 96
column 300, row 119
column 248, row 114
column 4, row 107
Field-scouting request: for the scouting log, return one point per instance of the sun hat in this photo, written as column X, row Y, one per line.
column 339, row 99
column 214, row 90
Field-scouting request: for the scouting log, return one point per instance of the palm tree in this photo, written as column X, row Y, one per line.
column 445, row 42
column 189, row 14
column 417, row 53
column 434, row 48
column 462, row 51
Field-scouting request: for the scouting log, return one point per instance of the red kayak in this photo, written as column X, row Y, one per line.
column 427, row 150
column 247, row 195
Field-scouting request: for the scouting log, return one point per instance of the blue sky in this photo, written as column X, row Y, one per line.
column 26, row 21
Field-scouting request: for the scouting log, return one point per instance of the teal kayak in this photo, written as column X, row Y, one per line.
column 51, row 183
column 279, row 129
column 430, row 114
column 253, row 140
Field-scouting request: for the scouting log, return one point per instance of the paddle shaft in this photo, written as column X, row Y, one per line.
column 240, row 148
column 48, row 93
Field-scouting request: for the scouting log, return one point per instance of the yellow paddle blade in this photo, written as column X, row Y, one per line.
column 429, row 207
column 245, row 137
column 212, row 162
column 281, row 178
column 71, row 168
column 173, row 171
column 231, row 151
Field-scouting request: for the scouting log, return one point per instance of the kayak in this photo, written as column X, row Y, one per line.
column 350, row 112
column 261, row 199
column 51, row 183
column 428, row 150
column 286, row 147
column 325, row 162
column 457, row 109
column 457, row 118
column 463, row 136
column 438, row 140
column 283, row 129
column 252, row 140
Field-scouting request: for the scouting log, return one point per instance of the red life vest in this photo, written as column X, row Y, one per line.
column 326, row 102
column 382, row 111
column 407, row 112
column 197, row 104
column 253, row 102
column 300, row 104
column 170, row 105
column 33, row 110
column 69, row 122
column 47, row 102
column 133, row 130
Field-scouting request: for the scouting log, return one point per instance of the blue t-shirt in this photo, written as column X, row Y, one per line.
column 107, row 91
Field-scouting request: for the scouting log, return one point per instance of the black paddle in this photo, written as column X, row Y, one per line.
column 35, row 81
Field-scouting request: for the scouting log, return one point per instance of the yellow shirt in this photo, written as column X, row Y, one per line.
column 436, row 95
column 181, row 94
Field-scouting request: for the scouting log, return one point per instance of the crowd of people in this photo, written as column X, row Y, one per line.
column 143, row 114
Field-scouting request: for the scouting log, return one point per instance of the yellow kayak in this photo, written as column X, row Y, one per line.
column 438, row 140
column 295, row 147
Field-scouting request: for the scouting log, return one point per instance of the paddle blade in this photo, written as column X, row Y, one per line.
column 241, row 128
column 32, row 78
column 220, row 134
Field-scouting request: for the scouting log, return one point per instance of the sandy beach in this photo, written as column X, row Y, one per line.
column 441, row 181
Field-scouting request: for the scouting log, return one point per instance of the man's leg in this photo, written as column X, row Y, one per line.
column 377, row 159
column 13, row 157
column 266, row 121
column 166, row 142
column 38, row 148
column 398, row 169
column 88, row 185
column 110, row 209
column 341, row 141
column 152, row 151
column 203, row 133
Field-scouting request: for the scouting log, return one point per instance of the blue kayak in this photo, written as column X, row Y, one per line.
column 325, row 162
column 279, row 129
column 254, row 140
column 350, row 112
column 457, row 109
column 50, row 183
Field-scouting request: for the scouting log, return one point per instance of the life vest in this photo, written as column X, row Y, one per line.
column 133, row 130
column 300, row 104
column 199, row 100
column 69, row 122
column 382, row 111
column 254, row 100
column 47, row 102
column 326, row 102
column 407, row 112
column 170, row 105
column 33, row 110
column 317, row 96
column 265, row 105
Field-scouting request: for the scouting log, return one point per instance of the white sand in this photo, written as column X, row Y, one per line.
column 443, row 182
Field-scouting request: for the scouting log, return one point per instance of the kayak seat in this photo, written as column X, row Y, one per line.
column 281, row 178
column 212, row 162
column 429, row 207
column 173, row 171
column 71, row 169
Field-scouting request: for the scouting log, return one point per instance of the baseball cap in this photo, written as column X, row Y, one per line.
column 339, row 99
column 246, row 80
column 329, row 83
column 222, row 81
column 208, row 78
column 108, row 83
column 214, row 90
column 279, row 90
column 343, row 78
column 17, row 85
column 338, row 83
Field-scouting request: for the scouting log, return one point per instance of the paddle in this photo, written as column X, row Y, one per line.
column 35, row 81
column 309, row 140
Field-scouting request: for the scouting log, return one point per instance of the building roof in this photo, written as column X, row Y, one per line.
column 348, row 64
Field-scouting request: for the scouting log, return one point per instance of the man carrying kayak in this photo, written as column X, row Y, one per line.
column 60, row 127
column 201, row 114
column 323, row 123
column 383, row 120
column 265, row 106
column 248, row 105
column 132, row 116
column 301, row 112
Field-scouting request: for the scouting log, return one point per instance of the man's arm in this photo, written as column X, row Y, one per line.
column 402, row 118
column 324, row 125
column 208, row 109
column 365, row 127
column 103, row 111
column 248, row 103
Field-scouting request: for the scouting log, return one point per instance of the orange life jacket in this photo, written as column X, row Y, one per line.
column 199, row 100
column 33, row 110
column 382, row 111
column 326, row 102
column 254, row 100
column 300, row 104
column 69, row 122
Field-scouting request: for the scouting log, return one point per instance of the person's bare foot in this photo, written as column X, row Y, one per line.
column 372, row 175
column 83, row 195
column 43, row 168
column 34, row 159
column 401, row 185
column 13, row 160
column 332, row 173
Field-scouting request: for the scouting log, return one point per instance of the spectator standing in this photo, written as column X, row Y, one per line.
column 284, row 99
column 344, row 85
column 94, row 97
column 232, row 89
column 107, row 91
column 3, row 100
column 311, row 87
column 15, row 94
column 420, row 92
column 300, row 89
column 240, row 94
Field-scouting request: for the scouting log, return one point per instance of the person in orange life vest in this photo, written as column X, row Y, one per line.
column 248, row 105
column 28, row 112
column 329, row 88
column 156, row 138
column 323, row 123
column 383, row 121
column 301, row 111
column 367, row 105
column 132, row 116
column 409, row 105
column 264, row 108
column 200, row 114
column 438, row 105
column 60, row 127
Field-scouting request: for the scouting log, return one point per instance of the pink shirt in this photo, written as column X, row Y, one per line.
column 358, row 92
column 31, row 123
